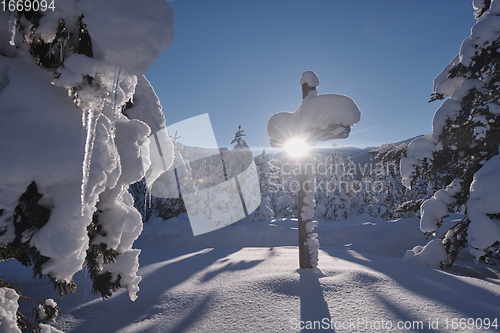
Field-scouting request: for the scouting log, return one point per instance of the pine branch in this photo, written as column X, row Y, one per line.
column 50, row 311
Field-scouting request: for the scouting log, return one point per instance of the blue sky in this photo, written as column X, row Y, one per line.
column 241, row 61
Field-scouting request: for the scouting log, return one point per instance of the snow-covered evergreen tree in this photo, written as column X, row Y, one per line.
column 349, row 185
column 240, row 157
column 337, row 203
column 271, row 181
column 402, row 202
column 393, row 190
column 383, row 191
column 372, row 185
column 238, row 138
column 264, row 212
column 465, row 140
column 321, row 175
column 64, row 200
column 285, row 206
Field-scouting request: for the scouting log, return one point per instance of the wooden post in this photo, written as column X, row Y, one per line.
column 306, row 89
column 304, row 257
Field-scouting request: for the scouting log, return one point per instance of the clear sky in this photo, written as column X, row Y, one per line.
column 241, row 61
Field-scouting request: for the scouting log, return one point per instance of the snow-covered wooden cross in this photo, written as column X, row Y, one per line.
column 318, row 118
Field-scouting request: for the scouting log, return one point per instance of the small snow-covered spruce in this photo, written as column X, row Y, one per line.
column 238, row 138
column 463, row 147
column 239, row 158
column 45, row 312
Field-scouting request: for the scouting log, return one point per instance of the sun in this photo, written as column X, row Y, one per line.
column 297, row 147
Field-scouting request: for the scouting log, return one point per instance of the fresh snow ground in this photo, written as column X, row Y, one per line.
column 245, row 278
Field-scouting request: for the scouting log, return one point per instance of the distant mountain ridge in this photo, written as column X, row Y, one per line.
column 360, row 156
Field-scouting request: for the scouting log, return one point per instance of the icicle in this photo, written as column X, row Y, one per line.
column 149, row 196
column 114, row 92
column 50, row 53
column 12, row 26
column 85, row 277
column 146, row 195
column 147, row 202
column 84, row 127
column 66, row 45
column 61, row 50
column 93, row 116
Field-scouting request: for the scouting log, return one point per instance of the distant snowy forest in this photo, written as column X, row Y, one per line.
column 347, row 182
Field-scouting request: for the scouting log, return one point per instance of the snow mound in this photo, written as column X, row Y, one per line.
column 431, row 255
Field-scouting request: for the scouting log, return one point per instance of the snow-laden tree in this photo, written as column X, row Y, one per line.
column 335, row 203
column 240, row 157
column 238, row 138
column 323, row 169
column 365, row 200
column 73, row 102
column 392, row 189
column 348, row 185
column 382, row 184
column 264, row 212
column 422, row 188
column 461, row 150
column 285, row 206
column 271, row 181
column 386, row 189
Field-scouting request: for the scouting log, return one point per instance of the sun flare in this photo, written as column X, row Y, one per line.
column 297, row 147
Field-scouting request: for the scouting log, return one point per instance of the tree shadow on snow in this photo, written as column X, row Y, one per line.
column 483, row 272
column 439, row 287
column 314, row 312
column 195, row 315
column 242, row 265
column 158, row 279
